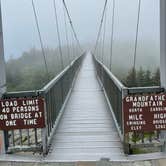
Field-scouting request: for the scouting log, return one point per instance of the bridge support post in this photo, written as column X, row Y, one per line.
column 2, row 61
column 44, row 134
column 125, row 140
column 2, row 78
column 163, row 55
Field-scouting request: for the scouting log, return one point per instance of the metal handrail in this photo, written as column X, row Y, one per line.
column 18, row 94
column 111, row 75
column 115, row 92
column 45, row 88
column 131, row 90
column 55, row 93
column 154, row 89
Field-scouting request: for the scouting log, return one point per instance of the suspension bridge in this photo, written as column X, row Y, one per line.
column 84, row 107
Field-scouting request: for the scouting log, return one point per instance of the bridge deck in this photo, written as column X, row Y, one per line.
column 86, row 130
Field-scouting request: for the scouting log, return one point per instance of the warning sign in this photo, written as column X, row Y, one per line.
column 22, row 113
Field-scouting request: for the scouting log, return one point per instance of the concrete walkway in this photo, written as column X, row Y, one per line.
column 86, row 131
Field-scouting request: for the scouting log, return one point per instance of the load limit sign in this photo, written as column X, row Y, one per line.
column 22, row 113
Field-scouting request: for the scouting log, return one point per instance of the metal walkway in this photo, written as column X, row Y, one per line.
column 86, row 130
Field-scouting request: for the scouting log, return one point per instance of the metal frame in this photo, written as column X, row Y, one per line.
column 2, row 60
column 163, row 42
column 115, row 92
column 163, row 54
column 55, row 100
column 2, row 71
column 120, row 86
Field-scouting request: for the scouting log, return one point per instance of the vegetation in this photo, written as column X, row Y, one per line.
column 122, row 60
column 142, row 78
column 28, row 72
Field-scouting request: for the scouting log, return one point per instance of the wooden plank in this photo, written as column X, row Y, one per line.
column 86, row 130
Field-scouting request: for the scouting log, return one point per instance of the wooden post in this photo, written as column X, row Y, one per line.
column 163, row 54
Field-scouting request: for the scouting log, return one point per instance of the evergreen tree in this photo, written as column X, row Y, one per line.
column 148, row 78
column 140, row 77
column 156, row 78
column 131, row 78
column 28, row 71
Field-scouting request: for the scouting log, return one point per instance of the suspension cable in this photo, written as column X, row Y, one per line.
column 100, row 48
column 71, row 23
column 104, row 33
column 58, row 33
column 40, row 38
column 72, row 45
column 112, row 34
column 136, row 39
column 66, row 32
column 100, row 26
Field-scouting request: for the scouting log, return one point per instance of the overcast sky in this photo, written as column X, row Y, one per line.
column 20, row 33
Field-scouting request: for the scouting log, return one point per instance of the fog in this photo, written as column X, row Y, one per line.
column 20, row 32
column 126, row 13
column 19, row 28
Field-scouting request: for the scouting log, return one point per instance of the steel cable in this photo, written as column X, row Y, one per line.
column 58, row 33
column 112, row 34
column 40, row 38
column 100, row 26
column 71, row 23
column 136, row 39
column 67, row 38
column 104, row 33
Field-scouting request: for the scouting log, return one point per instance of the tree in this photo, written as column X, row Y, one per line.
column 156, row 78
column 148, row 78
column 130, row 80
column 140, row 77
column 28, row 71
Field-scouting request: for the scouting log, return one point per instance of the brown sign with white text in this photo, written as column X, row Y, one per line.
column 144, row 113
column 22, row 113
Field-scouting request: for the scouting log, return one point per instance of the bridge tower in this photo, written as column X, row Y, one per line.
column 2, row 77
column 2, row 60
column 163, row 42
column 163, row 54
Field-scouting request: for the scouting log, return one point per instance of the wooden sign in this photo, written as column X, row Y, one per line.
column 144, row 113
column 22, row 113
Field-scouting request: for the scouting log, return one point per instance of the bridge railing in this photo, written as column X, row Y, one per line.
column 115, row 92
column 55, row 94
column 113, row 89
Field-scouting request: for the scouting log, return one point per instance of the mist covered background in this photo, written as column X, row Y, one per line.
column 21, row 40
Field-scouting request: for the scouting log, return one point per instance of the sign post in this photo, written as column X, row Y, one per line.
column 163, row 51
